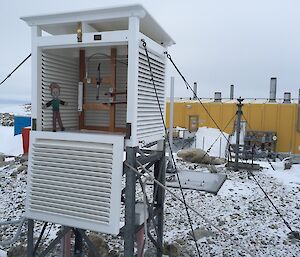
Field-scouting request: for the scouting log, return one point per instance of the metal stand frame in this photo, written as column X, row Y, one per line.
column 147, row 158
column 239, row 114
column 155, row 221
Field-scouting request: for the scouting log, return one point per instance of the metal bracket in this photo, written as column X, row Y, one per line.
column 128, row 131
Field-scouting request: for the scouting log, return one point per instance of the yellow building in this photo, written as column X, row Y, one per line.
column 261, row 115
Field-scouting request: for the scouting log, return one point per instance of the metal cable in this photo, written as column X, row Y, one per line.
column 265, row 193
column 171, row 151
column 195, row 95
column 267, row 196
column 15, row 69
column 49, row 231
column 209, row 149
column 40, row 238
column 253, row 130
column 229, row 237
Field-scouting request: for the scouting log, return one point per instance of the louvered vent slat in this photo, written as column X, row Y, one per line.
column 67, row 213
column 103, row 197
column 149, row 123
column 75, row 178
column 64, row 71
column 74, row 172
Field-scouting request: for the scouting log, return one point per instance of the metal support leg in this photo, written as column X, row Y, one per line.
column 239, row 114
column 50, row 247
column 78, row 244
column 129, row 233
column 90, row 244
column 30, row 224
column 66, row 245
column 160, row 175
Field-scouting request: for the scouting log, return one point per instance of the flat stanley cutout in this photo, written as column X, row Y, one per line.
column 55, row 102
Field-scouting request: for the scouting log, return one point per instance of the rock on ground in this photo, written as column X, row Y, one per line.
column 199, row 156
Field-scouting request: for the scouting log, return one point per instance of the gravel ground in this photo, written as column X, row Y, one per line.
column 240, row 210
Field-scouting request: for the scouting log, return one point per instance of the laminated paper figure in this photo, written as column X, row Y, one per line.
column 55, row 102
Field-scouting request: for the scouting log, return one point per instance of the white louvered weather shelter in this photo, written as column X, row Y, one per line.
column 97, row 58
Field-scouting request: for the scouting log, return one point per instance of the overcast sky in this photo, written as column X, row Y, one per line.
column 218, row 42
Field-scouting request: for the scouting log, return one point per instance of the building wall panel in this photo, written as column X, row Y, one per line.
column 277, row 117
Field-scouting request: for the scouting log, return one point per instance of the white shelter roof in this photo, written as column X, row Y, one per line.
column 105, row 19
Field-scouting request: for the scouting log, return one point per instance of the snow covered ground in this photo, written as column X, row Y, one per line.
column 10, row 144
column 240, row 209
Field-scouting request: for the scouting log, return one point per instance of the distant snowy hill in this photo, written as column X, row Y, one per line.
column 16, row 109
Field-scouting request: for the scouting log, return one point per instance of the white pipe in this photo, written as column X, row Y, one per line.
column 18, row 233
column 171, row 123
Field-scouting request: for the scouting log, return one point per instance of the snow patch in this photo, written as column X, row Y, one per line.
column 205, row 137
column 286, row 177
column 9, row 144
column 3, row 253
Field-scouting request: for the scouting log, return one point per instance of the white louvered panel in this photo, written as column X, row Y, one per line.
column 64, row 71
column 147, row 78
column 74, row 179
column 156, row 69
column 121, row 109
column 156, row 61
column 144, row 70
column 149, row 86
column 149, row 122
column 57, row 59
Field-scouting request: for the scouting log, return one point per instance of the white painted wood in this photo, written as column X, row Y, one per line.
column 35, row 71
column 118, row 15
column 171, row 118
column 75, row 179
column 65, row 41
column 132, row 78
column 149, row 121
column 155, row 48
column 87, row 28
column 142, row 110
column 109, row 13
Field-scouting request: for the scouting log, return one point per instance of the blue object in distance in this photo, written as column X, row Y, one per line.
column 21, row 122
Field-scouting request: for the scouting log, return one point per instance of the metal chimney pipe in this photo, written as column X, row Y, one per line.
column 273, row 86
column 231, row 92
column 195, row 91
column 287, row 98
column 218, row 96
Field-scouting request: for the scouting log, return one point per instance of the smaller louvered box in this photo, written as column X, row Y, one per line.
column 74, row 179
